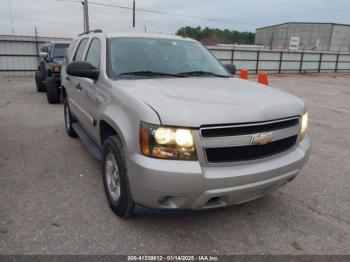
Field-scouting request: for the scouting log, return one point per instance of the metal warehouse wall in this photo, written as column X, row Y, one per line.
column 340, row 38
column 18, row 54
column 315, row 36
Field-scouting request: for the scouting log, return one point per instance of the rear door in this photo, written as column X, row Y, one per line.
column 74, row 86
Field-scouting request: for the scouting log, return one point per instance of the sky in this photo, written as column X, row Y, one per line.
column 65, row 18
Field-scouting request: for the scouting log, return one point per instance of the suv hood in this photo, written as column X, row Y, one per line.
column 197, row 101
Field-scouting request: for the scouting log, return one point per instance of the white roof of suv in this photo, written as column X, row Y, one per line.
column 146, row 35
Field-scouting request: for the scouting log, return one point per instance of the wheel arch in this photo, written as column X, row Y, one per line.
column 107, row 128
column 64, row 92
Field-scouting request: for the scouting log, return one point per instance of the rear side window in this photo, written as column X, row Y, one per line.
column 70, row 50
column 93, row 54
column 79, row 54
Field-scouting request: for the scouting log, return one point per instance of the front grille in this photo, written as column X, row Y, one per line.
column 250, row 152
column 208, row 132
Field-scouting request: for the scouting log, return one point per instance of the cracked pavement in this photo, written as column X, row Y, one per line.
column 52, row 199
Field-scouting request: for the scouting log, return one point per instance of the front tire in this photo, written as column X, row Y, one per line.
column 115, row 178
column 52, row 91
column 40, row 87
column 68, row 119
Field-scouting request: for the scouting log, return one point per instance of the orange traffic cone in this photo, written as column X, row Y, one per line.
column 263, row 78
column 244, row 74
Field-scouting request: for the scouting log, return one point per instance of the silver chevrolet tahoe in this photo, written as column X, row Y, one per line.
column 173, row 128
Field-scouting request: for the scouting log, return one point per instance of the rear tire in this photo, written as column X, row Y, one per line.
column 52, row 91
column 115, row 178
column 69, row 119
column 40, row 87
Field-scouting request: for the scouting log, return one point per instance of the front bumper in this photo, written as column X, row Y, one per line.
column 169, row 184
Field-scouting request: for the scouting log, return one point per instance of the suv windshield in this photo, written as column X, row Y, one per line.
column 60, row 50
column 149, row 58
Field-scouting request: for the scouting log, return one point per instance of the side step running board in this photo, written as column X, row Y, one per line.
column 87, row 141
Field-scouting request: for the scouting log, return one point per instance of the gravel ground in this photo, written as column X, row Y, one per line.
column 52, row 199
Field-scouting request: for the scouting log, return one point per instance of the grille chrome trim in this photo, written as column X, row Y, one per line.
column 204, row 143
column 288, row 123
column 245, row 140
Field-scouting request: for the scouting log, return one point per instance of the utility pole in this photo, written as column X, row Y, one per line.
column 133, row 14
column 11, row 17
column 36, row 44
column 86, row 15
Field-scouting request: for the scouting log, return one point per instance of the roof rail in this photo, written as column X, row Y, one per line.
column 91, row 31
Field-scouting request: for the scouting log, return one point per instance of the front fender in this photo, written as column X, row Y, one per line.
column 126, row 123
column 109, row 116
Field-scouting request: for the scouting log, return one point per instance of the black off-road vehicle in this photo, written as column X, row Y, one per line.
column 48, row 76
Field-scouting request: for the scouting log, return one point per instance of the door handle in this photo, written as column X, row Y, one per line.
column 78, row 86
column 68, row 78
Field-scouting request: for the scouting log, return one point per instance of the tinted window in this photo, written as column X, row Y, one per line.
column 48, row 50
column 79, row 54
column 165, row 56
column 93, row 54
column 60, row 50
column 70, row 50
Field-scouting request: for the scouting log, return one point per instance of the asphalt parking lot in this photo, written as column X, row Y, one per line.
column 52, row 199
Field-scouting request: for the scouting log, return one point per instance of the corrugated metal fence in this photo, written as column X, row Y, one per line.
column 18, row 56
column 283, row 61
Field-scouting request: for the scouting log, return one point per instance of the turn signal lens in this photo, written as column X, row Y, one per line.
column 304, row 125
column 55, row 69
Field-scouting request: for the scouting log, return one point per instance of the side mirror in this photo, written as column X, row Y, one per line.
column 83, row 69
column 231, row 68
column 43, row 54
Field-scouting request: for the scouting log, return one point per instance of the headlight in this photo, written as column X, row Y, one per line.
column 304, row 123
column 55, row 69
column 167, row 142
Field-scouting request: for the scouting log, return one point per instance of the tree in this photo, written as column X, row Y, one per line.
column 212, row 36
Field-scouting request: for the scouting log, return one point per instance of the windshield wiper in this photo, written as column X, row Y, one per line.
column 149, row 73
column 200, row 73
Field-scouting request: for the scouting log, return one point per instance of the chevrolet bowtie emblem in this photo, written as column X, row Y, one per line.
column 261, row 139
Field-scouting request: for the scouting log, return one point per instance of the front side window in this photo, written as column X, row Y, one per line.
column 60, row 50
column 70, row 50
column 48, row 50
column 93, row 54
column 79, row 54
column 149, row 57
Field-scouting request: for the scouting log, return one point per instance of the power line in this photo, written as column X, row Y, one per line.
column 165, row 13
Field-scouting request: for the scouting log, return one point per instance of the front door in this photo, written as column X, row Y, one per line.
column 75, row 93
column 90, row 95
